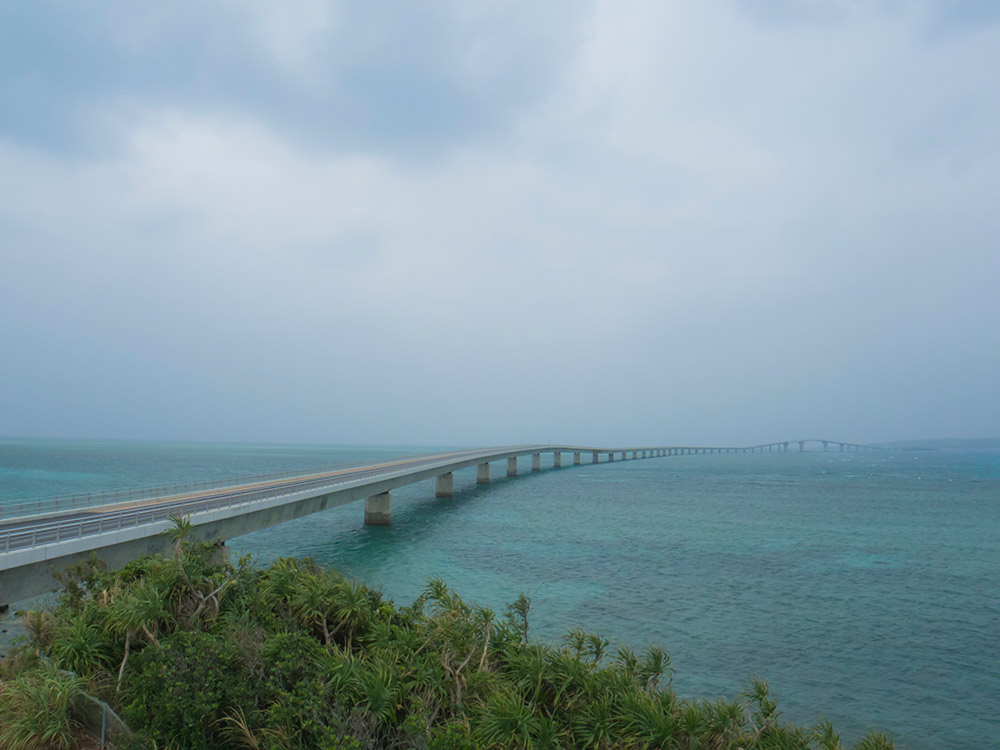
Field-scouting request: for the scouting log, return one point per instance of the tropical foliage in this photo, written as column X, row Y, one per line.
column 194, row 652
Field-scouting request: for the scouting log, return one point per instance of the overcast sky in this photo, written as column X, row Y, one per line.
column 423, row 223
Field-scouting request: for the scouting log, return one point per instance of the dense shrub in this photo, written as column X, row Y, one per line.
column 180, row 692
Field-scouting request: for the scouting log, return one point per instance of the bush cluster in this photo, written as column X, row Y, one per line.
column 194, row 652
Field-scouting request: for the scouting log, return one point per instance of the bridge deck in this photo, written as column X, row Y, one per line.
column 31, row 546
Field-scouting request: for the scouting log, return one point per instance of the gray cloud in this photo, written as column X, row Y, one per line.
column 411, row 79
column 610, row 222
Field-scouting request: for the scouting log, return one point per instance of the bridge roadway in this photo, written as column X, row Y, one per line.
column 32, row 547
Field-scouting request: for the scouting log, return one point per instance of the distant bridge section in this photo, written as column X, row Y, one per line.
column 42, row 537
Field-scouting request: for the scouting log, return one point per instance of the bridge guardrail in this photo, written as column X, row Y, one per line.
column 59, row 531
column 40, row 505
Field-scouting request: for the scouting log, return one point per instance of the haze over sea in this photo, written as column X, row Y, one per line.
column 864, row 586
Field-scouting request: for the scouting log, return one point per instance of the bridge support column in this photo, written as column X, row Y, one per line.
column 483, row 474
column 576, row 458
column 512, row 466
column 595, row 459
column 378, row 510
column 611, row 457
column 624, row 455
column 445, row 485
column 557, row 459
column 536, row 461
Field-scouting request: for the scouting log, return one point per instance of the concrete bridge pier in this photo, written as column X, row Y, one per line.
column 576, row 458
column 536, row 461
column 624, row 455
column 483, row 473
column 596, row 459
column 512, row 466
column 556, row 460
column 378, row 510
column 445, row 485
column 611, row 457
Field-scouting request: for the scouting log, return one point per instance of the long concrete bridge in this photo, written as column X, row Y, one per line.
column 43, row 537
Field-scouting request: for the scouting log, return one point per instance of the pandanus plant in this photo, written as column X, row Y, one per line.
column 655, row 664
column 35, row 709
column 139, row 610
column 201, row 596
column 506, row 720
column 79, row 646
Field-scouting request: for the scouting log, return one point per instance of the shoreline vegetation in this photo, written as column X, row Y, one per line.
column 192, row 651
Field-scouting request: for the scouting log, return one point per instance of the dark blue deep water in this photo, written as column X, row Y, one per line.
column 864, row 587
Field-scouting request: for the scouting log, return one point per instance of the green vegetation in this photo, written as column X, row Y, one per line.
column 197, row 653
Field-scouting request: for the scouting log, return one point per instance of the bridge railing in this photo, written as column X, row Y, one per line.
column 41, row 505
column 60, row 531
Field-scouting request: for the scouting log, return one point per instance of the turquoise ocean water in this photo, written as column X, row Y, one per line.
column 864, row 587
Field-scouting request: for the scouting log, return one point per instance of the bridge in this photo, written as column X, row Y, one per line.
column 49, row 535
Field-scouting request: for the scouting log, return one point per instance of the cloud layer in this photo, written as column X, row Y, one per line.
column 709, row 222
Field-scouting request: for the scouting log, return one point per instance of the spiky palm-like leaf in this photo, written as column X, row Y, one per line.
column 654, row 665
column 596, row 646
column 594, row 726
column 576, row 641
column 377, row 690
column 35, row 710
column 506, row 720
column 79, row 646
column 648, row 720
column 824, row 735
